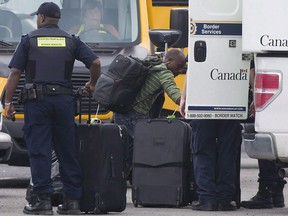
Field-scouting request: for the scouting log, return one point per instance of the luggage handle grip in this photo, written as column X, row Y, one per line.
column 80, row 94
column 112, row 166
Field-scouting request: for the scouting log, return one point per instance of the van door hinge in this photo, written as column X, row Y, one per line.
column 247, row 56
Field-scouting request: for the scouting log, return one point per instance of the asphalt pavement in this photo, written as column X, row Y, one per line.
column 12, row 197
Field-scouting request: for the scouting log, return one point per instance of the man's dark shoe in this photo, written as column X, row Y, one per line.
column 41, row 204
column 227, row 206
column 259, row 201
column 69, row 207
column 196, row 205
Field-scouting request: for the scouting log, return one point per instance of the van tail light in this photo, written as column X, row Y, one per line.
column 267, row 88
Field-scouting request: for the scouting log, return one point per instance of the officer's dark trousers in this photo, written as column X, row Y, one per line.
column 214, row 149
column 51, row 123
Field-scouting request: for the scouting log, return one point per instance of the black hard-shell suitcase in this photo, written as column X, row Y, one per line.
column 102, row 150
column 162, row 163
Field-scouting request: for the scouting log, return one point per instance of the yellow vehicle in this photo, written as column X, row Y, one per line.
column 159, row 18
column 131, row 18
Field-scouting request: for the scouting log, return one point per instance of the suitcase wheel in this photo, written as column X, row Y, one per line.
column 98, row 211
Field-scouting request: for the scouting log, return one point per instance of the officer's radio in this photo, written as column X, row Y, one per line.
column 31, row 91
column 28, row 93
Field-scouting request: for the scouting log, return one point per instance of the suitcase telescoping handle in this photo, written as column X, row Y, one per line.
column 79, row 96
column 89, row 108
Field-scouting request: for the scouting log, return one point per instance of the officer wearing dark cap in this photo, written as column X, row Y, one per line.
column 47, row 56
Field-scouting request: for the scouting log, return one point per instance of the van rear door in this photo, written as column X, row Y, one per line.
column 218, row 75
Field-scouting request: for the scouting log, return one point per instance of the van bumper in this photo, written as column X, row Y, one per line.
column 260, row 146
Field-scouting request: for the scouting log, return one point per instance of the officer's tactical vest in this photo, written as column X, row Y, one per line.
column 51, row 56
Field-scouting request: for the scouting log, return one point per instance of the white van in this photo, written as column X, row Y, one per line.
column 267, row 37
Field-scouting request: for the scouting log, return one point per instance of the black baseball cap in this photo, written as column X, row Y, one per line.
column 48, row 9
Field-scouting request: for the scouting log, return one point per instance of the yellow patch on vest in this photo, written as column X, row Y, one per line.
column 51, row 42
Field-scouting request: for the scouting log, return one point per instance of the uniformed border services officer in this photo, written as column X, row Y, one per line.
column 215, row 145
column 47, row 56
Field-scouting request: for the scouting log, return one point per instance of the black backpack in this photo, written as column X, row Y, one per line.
column 117, row 88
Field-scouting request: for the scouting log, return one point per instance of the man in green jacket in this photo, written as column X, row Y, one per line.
column 156, row 83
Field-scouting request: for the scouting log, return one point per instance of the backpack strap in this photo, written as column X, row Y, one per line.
column 156, row 69
column 149, row 61
column 159, row 91
column 152, row 60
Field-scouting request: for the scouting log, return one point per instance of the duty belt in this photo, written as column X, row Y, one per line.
column 56, row 90
column 32, row 91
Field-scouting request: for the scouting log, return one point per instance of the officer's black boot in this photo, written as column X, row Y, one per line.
column 277, row 194
column 69, row 207
column 31, row 196
column 41, row 204
column 263, row 198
